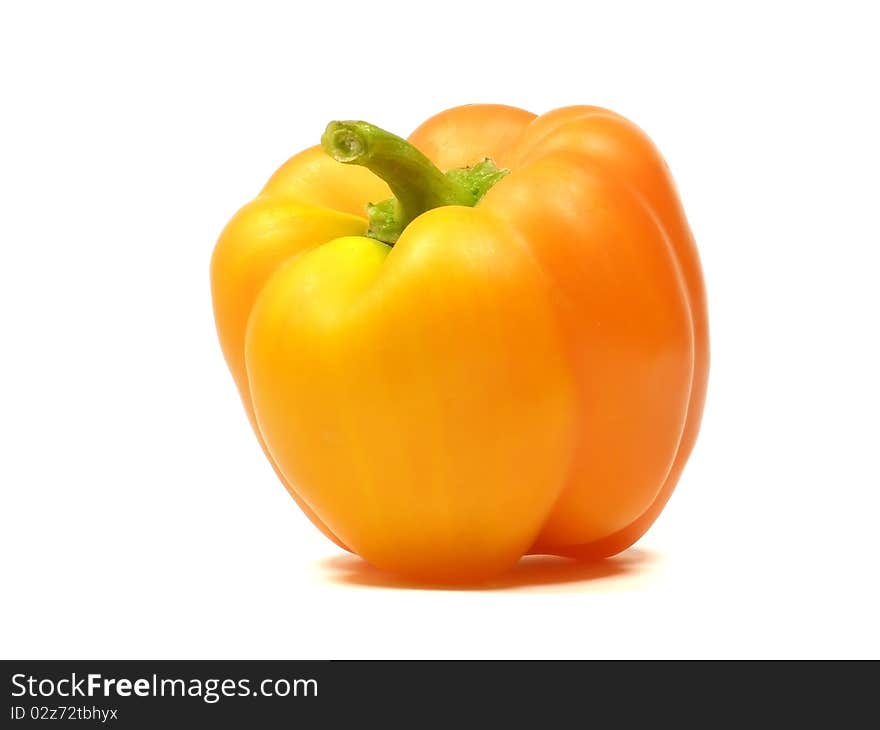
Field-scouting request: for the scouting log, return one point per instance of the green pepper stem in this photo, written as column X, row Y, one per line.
column 418, row 185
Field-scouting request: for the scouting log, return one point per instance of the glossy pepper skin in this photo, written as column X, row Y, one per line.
column 522, row 375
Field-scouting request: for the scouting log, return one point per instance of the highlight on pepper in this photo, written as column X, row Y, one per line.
column 485, row 341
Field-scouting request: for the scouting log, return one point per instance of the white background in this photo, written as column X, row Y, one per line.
column 139, row 518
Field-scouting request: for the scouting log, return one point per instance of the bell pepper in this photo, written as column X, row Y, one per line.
column 485, row 341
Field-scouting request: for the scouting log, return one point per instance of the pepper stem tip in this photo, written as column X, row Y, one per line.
column 344, row 142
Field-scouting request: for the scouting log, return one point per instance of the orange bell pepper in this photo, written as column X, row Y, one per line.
column 507, row 357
